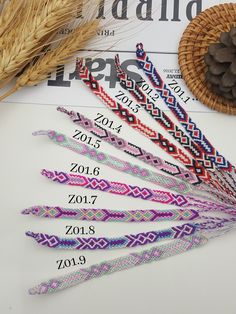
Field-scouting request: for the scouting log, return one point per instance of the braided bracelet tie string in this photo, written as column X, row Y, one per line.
column 144, row 156
column 180, row 113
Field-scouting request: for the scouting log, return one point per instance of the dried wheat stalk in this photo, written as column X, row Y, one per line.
column 10, row 36
column 60, row 55
column 44, row 17
column 34, row 29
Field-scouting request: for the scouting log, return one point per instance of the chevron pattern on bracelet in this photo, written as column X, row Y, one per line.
column 135, row 123
column 180, row 113
column 107, row 215
column 127, row 241
column 130, row 191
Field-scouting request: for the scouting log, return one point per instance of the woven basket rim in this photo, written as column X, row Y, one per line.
column 200, row 32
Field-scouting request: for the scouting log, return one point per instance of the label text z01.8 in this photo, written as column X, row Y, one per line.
column 71, row 230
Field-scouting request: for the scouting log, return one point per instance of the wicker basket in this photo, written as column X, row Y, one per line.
column 203, row 30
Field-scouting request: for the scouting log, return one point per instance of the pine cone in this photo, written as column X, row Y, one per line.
column 221, row 65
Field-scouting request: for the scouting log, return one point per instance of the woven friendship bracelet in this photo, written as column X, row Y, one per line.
column 132, row 191
column 127, row 241
column 136, row 123
column 180, row 113
column 131, row 240
column 107, row 215
column 142, row 155
column 130, row 216
column 159, row 116
column 119, row 264
column 115, row 163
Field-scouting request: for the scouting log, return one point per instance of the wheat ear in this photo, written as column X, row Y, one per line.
column 9, row 11
column 31, row 38
column 2, row 3
column 60, row 55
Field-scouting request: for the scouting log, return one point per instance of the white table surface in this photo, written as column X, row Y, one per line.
column 200, row 281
